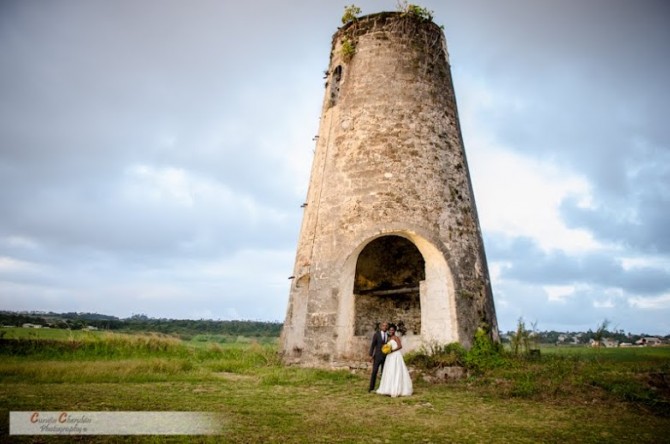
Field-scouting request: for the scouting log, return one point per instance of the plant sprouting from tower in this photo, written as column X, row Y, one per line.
column 411, row 9
column 351, row 13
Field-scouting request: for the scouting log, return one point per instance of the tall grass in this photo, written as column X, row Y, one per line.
column 114, row 357
column 231, row 340
column 558, row 397
column 94, row 346
column 107, row 371
column 637, row 375
column 241, row 360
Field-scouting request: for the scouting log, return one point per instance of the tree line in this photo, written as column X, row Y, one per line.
column 141, row 322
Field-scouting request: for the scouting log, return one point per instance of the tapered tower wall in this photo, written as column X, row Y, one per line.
column 390, row 175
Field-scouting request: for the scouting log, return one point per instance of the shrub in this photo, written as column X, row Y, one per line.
column 520, row 340
column 437, row 355
column 484, row 354
column 348, row 49
column 351, row 13
column 415, row 10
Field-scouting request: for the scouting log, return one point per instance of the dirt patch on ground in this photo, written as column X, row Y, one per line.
column 233, row 376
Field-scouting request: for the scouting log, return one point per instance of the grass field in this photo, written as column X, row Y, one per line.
column 46, row 333
column 568, row 395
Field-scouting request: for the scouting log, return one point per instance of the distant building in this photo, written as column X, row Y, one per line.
column 31, row 326
column 606, row 342
column 651, row 341
column 610, row 343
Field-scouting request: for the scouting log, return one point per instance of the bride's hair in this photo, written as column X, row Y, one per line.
column 393, row 326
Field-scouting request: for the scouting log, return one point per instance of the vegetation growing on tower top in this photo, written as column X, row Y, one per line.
column 351, row 13
column 410, row 9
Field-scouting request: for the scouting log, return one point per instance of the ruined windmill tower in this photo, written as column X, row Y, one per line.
column 390, row 230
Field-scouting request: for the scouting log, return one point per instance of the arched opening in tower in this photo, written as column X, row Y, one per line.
column 389, row 271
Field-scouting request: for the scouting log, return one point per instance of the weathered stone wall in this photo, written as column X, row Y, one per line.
column 389, row 162
column 400, row 309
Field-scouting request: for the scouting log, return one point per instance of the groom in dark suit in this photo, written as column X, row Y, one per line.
column 377, row 357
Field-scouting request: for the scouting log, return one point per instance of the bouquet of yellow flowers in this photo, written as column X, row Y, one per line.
column 386, row 349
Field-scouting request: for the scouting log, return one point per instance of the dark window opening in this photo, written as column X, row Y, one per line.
column 335, row 85
column 386, row 285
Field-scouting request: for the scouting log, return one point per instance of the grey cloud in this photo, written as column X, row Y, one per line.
column 230, row 93
column 591, row 80
column 583, row 310
column 71, row 221
column 91, row 88
column 638, row 219
column 531, row 265
column 590, row 92
column 528, row 301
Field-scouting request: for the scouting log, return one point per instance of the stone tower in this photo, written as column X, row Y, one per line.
column 390, row 229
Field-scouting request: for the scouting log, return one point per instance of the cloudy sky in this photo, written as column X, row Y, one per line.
column 154, row 154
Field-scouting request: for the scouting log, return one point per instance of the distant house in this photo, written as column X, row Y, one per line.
column 652, row 341
column 567, row 338
column 90, row 328
column 605, row 342
column 610, row 343
column 31, row 326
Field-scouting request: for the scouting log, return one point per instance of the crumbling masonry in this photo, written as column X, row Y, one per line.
column 390, row 229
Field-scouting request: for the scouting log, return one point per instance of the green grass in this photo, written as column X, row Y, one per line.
column 575, row 395
column 620, row 354
column 46, row 333
column 227, row 339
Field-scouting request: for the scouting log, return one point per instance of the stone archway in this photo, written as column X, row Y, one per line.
column 423, row 263
column 387, row 280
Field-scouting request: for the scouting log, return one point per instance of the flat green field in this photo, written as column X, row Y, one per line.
column 566, row 396
column 46, row 333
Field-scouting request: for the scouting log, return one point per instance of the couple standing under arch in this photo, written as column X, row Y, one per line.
column 386, row 357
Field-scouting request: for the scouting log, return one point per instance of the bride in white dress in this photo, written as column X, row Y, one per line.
column 395, row 377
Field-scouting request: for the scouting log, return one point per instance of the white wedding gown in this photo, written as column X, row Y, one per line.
column 395, row 376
